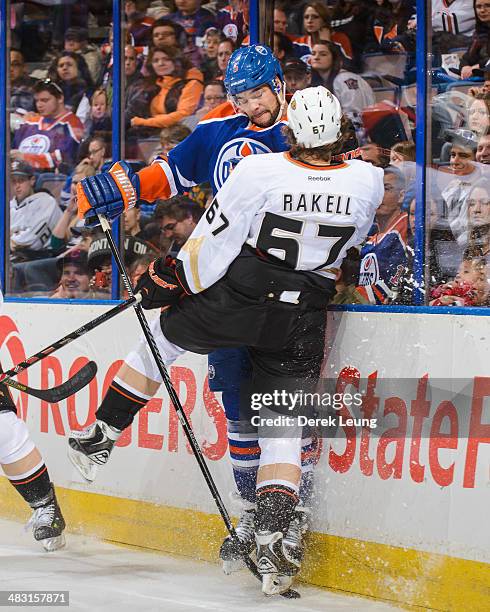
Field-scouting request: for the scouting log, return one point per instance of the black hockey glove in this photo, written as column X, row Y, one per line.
column 159, row 285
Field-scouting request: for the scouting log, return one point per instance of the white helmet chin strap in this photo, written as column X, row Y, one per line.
column 281, row 97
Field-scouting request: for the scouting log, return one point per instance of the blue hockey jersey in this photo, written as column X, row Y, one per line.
column 209, row 154
column 383, row 260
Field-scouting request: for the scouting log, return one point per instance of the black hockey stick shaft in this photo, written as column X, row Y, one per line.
column 60, row 392
column 78, row 333
column 189, row 433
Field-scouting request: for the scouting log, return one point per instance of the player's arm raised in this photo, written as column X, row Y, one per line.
column 213, row 245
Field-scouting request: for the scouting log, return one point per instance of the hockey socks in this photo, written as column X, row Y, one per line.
column 34, row 485
column 121, row 404
column 275, row 507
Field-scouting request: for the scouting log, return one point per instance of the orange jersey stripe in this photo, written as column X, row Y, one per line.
column 154, row 184
column 16, row 483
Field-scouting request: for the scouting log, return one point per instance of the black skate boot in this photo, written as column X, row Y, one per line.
column 92, row 447
column 230, row 552
column 274, row 563
column 293, row 542
column 47, row 522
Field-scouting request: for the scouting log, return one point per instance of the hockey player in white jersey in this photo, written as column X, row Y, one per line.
column 260, row 275
column 24, row 467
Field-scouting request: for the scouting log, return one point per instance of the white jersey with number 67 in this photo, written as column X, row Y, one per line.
column 305, row 216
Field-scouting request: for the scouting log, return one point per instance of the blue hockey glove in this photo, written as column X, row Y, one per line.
column 109, row 193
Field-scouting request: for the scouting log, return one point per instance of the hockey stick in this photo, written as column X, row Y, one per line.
column 82, row 377
column 189, row 433
column 61, row 392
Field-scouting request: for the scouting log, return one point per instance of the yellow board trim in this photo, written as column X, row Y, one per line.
column 403, row 576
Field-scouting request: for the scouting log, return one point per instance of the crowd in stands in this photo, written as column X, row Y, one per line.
column 175, row 57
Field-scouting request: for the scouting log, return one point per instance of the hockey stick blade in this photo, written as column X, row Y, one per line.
column 61, row 392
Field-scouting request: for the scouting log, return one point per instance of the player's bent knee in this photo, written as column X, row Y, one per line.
column 141, row 359
column 15, row 442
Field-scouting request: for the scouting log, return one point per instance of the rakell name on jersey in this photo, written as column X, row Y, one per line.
column 316, row 202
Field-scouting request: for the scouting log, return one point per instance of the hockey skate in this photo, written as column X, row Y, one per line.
column 230, row 552
column 92, row 447
column 274, row 562
column 47, row 523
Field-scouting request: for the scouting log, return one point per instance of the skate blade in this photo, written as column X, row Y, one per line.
column 86, row 467
column 52, row 544
column 275, row 584
column 233, row 565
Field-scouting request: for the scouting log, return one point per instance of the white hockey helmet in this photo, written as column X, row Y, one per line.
column 314, row 115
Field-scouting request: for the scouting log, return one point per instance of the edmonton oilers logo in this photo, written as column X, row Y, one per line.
column 231, row 153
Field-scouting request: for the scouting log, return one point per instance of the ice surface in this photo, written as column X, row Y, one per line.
column 105, row 577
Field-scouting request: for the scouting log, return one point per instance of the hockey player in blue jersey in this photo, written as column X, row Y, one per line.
column 250, row 123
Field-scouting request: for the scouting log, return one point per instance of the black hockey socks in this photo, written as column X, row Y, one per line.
column 120, row 405
column 33, row 485
column 275, row 507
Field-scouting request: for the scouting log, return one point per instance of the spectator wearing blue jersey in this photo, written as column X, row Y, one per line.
column 194, row 19
column 384, row 254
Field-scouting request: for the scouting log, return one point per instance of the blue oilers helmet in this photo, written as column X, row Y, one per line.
column 252, row 66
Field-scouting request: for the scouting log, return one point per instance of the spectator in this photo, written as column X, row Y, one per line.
column 214, row 94
column 32, row 215
column 131, row 220
column 49, row 139
column 180, row 88
column 138, row 93
column 99, row 119
column 353, row 92
column 75, row 280
column 384, row 254
column 21, row 84
column 316, row 23
column 139, row 23
column 387, row 27
column 317, row 26
column 403, row 157
column 171, row 136
column 194, row 19
column 297, row 75
column 453, row 24
column 167, row 33
column 70, row 72
column 177, row 217
column 76, row 41
column 225, row 50
column 479, row 114
column 62, row 236
column 280, row 20
column 467, row 173
column 233, row 20
column 470, row 287
column 283, row 47
column 210, row 44
column 96, row 153
column 483, row 149
column 478, row 53
column 349, row 19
